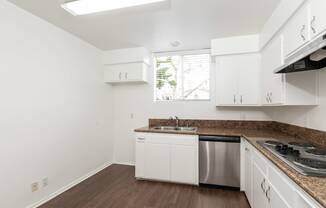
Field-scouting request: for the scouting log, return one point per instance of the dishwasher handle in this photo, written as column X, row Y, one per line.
column 227, row 139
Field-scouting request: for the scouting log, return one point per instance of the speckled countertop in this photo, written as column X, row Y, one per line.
column 315, row 186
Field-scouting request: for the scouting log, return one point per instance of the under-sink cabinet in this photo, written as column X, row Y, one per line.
column 266, row 186
column 167, row 157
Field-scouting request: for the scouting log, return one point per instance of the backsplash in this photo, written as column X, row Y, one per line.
column 311, row 135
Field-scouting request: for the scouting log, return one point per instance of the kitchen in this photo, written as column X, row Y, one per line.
column 87, row 122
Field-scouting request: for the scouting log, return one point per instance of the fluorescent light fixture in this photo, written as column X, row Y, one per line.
column 82, row 7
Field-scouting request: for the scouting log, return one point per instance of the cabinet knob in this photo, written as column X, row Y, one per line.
column 268, row 194
column 241, row 99
column 126, row 75
column 234, row 99
column 246, row 149
column 302, row 32
column 312, row 23
column 262, row 185
column 120, row 75
column 141, row 139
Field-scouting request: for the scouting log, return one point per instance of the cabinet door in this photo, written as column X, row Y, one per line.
column 112, row 74
column 297, row 31
column 133, row 72
column 184, row 165
column 227, row 80
column 140, row 157
column 318, row 17
column 275, row 199
column 248, row 174
column 259, row 188
column 157, row 161
column 272, row 84
column 248, row 74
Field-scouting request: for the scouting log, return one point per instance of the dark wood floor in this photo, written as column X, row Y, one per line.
column 116, row 187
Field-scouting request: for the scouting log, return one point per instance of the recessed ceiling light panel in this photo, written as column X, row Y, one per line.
column 82, row 7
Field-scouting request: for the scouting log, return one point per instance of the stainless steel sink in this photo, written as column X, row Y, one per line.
column 173, row 128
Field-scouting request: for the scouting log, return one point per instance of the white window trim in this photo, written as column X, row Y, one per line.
column 183, row 53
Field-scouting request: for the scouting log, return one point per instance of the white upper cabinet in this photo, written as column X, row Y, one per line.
column 130, row 72
column 272, row 84
column 237, row 70
column 126, row 65
column 297, row 30
column 285, row 89
column 318, row 17
column 237, row 78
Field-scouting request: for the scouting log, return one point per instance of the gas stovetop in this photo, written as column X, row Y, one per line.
column 305, row 158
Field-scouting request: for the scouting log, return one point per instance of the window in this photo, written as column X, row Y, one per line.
column 182, row 77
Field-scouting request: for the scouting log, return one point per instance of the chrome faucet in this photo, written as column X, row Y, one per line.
column 177, row 121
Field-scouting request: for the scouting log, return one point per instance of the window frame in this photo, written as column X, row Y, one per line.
column 184, row 53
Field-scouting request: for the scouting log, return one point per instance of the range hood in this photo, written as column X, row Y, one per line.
column 310, row 57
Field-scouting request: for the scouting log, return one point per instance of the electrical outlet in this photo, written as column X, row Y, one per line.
column 45, row 182
column 34, row 187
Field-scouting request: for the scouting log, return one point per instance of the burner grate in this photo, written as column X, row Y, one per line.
column 317, row 152
column 302, row 145
column 311, row 163
column 273, row 143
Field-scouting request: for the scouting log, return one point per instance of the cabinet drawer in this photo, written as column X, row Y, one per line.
column 177, row 139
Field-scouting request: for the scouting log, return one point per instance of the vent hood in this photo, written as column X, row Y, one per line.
column 310, row 57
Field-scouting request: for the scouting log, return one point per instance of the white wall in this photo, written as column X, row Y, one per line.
column 311, row 117
column 54, row 108
column 137, row 100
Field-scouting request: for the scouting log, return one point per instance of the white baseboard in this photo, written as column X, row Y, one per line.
column 69, row 186
column 124, row 163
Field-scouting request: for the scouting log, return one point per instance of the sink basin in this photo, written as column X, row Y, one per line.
column 173, row 128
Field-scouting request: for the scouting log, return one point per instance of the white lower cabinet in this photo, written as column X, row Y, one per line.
column 183, row 163
column 270, row 187
column 276, row 201
column 167, row 157
column 157, row 161
column 259, row 188
column 248, row 172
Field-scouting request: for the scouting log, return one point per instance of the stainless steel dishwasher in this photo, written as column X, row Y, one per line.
column 219, row 161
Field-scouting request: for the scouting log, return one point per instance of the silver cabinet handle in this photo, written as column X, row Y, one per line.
column 271, row 97
column 302, row 32
column 234, row 99
column 126, row 75
column 267, row 100
column 312, row 24
column 268, row 193
column 262, row 186
column 120, row 75
column 241, row 99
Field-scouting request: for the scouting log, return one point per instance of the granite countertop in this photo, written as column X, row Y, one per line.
column 315, row 186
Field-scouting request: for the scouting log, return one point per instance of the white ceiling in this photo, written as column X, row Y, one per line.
column 191, row 22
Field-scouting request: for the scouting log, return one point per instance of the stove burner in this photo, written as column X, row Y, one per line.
column 310, row 163
column 302, row 145
column 317, row 152
column 286, row 150
column 273, row 143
